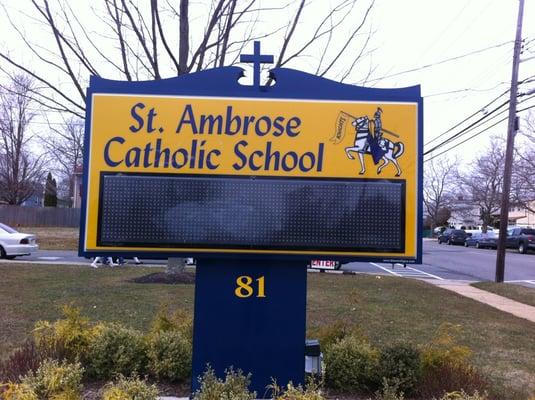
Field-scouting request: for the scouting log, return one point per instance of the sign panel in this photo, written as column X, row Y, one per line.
column 197, row 175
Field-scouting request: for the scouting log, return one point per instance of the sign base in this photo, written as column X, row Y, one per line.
column 250, row 315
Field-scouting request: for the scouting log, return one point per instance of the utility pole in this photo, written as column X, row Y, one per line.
column 504, row 212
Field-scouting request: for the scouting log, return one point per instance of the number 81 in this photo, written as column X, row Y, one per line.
column 245, row 290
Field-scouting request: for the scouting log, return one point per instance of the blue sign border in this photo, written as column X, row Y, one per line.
column 289, row 84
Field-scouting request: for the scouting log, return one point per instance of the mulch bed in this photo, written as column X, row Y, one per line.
column 185, row 277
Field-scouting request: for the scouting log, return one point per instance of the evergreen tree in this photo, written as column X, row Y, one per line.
column 51, row 192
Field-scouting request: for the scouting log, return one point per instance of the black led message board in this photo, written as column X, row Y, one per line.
column 251, row 213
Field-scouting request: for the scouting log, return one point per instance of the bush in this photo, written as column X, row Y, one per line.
column 310, row 392
column 132, row 388
column 21, row 361
column 444, row 350
column 446, row 365
column 351, row 365
column 17, row 391
column 333, row 333
column 401, row 365
column 170, row 356
column 56, row 380
column 390, row 391
column 179, row 321
column 437, row 381
column 73, row 333
column 235, row 386
column 462, row 395
column 117, row 350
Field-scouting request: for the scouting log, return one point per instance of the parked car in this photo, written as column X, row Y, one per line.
column 480, row 240
column 522, row 239
column 14, row 244
column 488, row 240
column 472, row 239
column 452, row 236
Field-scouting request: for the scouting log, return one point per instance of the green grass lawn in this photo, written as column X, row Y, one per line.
column 518, row 293
column 386, row 309
column 54, row 238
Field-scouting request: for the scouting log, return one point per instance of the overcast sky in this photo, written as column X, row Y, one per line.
column 415, row 33
column 419, row 35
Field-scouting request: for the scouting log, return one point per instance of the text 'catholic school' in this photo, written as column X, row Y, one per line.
column 197, row 138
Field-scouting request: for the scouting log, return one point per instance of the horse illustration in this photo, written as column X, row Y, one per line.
column 379, row 147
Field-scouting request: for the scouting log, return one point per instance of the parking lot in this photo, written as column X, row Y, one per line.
column 459, row 263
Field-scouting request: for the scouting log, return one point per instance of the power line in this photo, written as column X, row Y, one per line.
column 466, row 140
column 465, row 90
column 526, row 80
column 437, row 38
column 464, row 120
column 477, row 134
column 441, row 62
column 472, row 125
column 475, row 125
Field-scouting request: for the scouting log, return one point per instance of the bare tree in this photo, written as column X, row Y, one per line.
column 138, row 40
column 523, row 179
column 20, row 170
column 65, row 144
column 484, row 180
column 439, row 185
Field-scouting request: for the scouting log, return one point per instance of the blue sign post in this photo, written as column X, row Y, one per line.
column 251, row 315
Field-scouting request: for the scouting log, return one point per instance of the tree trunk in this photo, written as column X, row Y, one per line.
column 175, row 265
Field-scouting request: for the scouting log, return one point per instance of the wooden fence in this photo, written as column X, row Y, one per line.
column 39, row 216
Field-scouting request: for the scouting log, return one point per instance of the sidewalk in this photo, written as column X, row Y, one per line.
column 501, row 303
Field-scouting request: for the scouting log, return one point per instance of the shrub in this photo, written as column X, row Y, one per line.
column 56, row 380
column 180, row 321
column 73, row 333
column 44, row 335
column 21, row 361
column 462, row 395
column 446, row 365
column 17, row 391
column 310, row 392
column 351, row 365
column 443, row 348
column 117, row 350
column 235, row 386
column 332, row 333
column 132, row 388
column 390, row 391
column 170, row 356
column 450, row 378
column 401, row 365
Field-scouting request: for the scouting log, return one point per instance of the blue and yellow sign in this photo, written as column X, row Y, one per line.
column 200, row 174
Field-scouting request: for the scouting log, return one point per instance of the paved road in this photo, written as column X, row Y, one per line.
column 459, row 263
column 439, row 262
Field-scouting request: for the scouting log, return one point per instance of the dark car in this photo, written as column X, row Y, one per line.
column 452, row 236
column 522, row 239
column 472, row 239
column 488, row 240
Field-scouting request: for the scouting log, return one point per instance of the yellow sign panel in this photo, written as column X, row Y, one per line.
column 232, row 137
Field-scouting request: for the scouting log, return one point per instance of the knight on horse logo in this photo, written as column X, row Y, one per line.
column 369, row 140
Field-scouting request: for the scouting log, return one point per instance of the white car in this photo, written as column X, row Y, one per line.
column 13, row 243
